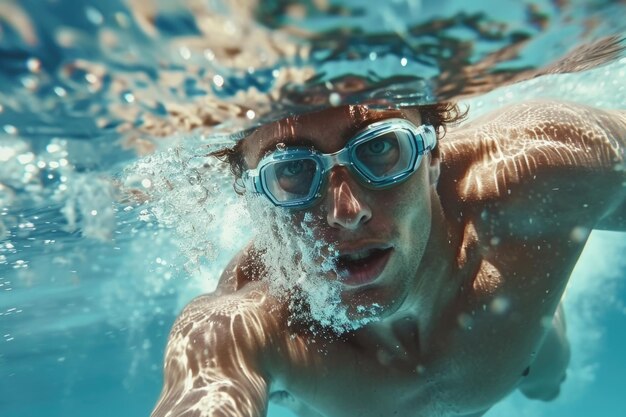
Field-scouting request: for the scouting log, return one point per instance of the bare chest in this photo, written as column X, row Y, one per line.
column 479, row 352
column 389, row 380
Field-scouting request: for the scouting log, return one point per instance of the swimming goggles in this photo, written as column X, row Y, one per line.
column 383, row 154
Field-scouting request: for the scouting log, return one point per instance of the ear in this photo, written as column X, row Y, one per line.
column 433, row 170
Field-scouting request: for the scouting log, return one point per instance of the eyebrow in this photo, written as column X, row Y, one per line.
column 297, row 142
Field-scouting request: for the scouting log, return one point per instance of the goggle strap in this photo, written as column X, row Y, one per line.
column 249, row 180
column 430, row 137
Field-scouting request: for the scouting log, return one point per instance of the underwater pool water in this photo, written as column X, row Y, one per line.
column 111, row 220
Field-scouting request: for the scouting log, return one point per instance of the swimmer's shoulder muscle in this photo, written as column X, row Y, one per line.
column 242, row 269
column 215, row 357
column 539, row 168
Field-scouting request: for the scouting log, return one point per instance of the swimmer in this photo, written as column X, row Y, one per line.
column 464, row 238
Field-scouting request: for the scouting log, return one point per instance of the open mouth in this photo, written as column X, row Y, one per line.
column 362, row 267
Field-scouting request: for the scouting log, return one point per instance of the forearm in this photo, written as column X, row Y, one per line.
column 212, row 366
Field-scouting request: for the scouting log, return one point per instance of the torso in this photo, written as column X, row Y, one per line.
column 487, row 337
column 480, row 351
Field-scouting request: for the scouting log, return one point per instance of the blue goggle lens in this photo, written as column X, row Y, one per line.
column 290, row 180
column 382, row 158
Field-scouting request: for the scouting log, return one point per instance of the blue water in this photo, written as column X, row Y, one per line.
column 95, row 99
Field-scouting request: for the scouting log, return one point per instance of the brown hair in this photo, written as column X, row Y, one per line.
column 438, row 115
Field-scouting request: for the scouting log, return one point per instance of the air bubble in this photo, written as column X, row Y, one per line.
column 60, row 91
column 218, row 80
column 94, row 15
column 29, row 82
column 91, row 78
column 53, row 147
column 33, row 64
column 500, row 305
column 184, row 52
column 465, row 321
column 10, row 129
column 209, row 55
column 144, row 215
column 580, row 234
column 122, row 19
column 129, row 97
column 25, row 158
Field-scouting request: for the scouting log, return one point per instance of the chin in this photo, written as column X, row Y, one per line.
column 372, row 302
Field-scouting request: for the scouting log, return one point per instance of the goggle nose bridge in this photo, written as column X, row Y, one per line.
column 339, row 158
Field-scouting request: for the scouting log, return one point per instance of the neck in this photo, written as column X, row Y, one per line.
column 437, row 280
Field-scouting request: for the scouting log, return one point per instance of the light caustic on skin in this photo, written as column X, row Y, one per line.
column 198, row 328
column 199, row 383
column 578, row 138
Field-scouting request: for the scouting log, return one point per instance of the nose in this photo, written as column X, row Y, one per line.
column 345, row 209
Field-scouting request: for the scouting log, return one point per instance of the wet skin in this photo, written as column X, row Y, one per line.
column 483, row 241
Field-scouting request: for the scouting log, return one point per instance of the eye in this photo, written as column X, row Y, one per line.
column 380, row 154
column 379, row 149
column 379, row 146
column 295, row 176
column 292, row 169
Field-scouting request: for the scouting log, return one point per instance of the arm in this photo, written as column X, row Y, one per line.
column 616, row 219
column 528, row 183
column 540, row 168
column 212, row 361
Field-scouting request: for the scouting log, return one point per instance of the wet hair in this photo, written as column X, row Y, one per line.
column 438, row 115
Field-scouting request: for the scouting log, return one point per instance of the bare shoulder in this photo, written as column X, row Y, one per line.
column 249, row 310
column 240, row 314
column 535, row 141
column 548, row 114
column 244, row 268
column 216, row 355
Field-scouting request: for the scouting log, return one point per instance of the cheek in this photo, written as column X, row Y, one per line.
column 309, row 224
column 408, row 203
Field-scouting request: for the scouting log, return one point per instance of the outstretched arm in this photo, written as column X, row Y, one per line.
column 212, row 361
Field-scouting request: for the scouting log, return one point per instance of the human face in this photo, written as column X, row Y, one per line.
column 379, row 234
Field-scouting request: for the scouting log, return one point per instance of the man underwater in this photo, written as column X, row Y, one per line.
column 464, row 244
